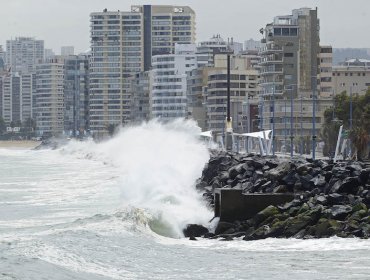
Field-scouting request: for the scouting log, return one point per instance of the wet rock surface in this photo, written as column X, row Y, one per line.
column 331, row 199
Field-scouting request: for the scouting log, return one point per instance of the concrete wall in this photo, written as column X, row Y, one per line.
column 232, row 205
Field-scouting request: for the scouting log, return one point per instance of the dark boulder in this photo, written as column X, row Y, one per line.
column 194, row 230
column 340, row 212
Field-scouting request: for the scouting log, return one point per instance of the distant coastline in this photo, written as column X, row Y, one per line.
column 19, row 144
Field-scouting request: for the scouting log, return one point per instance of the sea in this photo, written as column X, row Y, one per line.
column 116, row 210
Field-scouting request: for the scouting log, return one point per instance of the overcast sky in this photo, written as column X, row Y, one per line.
column 343, row 23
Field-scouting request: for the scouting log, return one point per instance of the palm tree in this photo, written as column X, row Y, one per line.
column 360, row 140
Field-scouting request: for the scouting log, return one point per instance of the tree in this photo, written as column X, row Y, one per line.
column 340, row 115
column 2, row 125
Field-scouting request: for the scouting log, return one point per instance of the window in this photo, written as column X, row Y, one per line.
column 285, row 31
column 288, row 55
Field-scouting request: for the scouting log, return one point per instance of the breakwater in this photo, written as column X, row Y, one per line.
column 330, row 199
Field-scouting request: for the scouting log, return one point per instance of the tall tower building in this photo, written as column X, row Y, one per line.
column 49, row 98
column 289, row 72
column 76, row 93
column 23, row 53
column 122, row 44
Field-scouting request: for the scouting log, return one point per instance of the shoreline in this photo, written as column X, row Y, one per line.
column 19, row 144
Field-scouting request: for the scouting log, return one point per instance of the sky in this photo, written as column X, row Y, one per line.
column 343, row 23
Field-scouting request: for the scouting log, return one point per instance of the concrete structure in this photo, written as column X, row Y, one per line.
column 236, row 47
column 325, row 85
column 244, row 89
column 207, row 50
column 289, row 71
column 49, row 53
column 24, row 53
column 252, row 45
column 353, row 74
column 16, row 97
column 232, row 205
column 141, row 84
column 49, row 98
column 67, row 50
column 122, row 44
column 76, row 94
column 169, row 89
column 2, row 58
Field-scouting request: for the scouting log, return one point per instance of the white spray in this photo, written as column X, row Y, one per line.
column 160, row 164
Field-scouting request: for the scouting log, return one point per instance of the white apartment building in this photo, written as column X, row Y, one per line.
column 49, row 98
column 23, row 53
column 16, row 96
column 169, row 89
column 122, row 44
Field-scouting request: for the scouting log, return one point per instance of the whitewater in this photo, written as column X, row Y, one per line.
column 116, row 209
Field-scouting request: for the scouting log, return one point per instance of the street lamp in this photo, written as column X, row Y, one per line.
column 291, row 117
column 314, row 116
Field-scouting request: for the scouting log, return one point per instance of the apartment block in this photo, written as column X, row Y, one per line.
column 353, row 75
column 49, row 98
column 141, row 84
column 122, row 44
column 24, row 53
column 243, row 91
column 76, row 94
column 169, row 89
column 289, row 69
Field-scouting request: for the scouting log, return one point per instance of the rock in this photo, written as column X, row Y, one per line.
column 280, row 189
column 339, row 212
column 194, row 230
column 278, row 172
column 326, row 227
column 269, row 211
column 295, row 224
column 349, row 185
column 192, row 238
column 223, row 226
column 303, row 169
column 319, row 181
column 336, row 198
column 321, row 200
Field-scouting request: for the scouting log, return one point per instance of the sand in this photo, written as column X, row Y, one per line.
column 19, row 144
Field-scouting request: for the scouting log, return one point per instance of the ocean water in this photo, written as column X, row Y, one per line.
column 115, row 210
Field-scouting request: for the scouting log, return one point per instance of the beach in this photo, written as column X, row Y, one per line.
column 18, row 144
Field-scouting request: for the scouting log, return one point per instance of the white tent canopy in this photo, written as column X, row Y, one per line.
column 259, row 134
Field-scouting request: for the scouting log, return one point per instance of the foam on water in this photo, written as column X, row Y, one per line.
column 159, row 164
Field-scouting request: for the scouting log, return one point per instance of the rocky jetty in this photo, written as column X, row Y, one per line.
column 330, row 199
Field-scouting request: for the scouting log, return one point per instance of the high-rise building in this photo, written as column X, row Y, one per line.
column 49, row 98
column 76, row 94
column 16, row 97
column 169, row 90
column 122, row 44
column 289, row 71
column 67, row 50
column 206, row 50
column 23, row 54
column 243, row 90
column 2, row 59
column 141, row 84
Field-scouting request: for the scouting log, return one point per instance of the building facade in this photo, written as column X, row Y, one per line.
column 141, row 84
column 23, row 54
column 122, row 44
column 169, row 89
column 49, row 98
column 352, row 75
column 243, row 91
column 76, row 94
column 289, row 70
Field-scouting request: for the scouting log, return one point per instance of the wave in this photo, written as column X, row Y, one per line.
column 158, row 165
